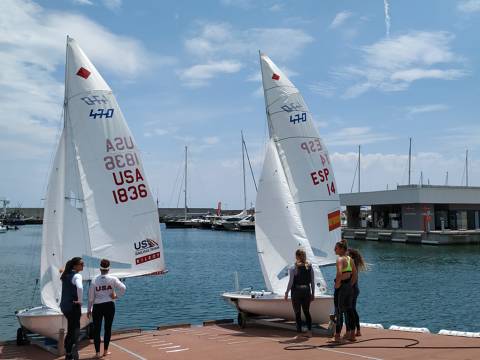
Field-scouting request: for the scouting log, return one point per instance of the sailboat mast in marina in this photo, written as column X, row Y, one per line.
column 297, row 204
column 98, row 203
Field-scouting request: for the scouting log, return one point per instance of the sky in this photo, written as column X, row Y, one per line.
column 374, row 73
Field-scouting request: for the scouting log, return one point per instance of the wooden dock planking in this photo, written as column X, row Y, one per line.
column 231, row 342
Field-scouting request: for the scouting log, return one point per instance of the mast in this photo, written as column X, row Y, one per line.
column 358, row 168
column 186, row 168
column 446, row 179
column 409, row 161
column 466, row 167
column 243, row 168
column 265, row 96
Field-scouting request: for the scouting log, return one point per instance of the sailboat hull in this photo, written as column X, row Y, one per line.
column 268, row 304
column 47, row 322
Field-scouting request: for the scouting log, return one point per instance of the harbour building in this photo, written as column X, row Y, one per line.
column 427, row 214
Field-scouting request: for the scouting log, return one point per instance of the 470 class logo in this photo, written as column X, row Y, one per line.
column 145, row 246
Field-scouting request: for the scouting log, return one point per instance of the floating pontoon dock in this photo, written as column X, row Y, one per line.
column 228, row 341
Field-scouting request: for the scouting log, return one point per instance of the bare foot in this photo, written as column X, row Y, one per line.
column 309, row 334
column 106, row 353
column 352, row 338
column 98, row 356
column 337, row 338
column 358, row 333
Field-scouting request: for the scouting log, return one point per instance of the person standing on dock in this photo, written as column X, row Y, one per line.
column 343, row 297
column 71, row 304
column 361, row 265
column 101, row 297
column 302, row 285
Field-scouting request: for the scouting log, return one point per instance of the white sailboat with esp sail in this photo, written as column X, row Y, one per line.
column 98, row 202
column 297, row 203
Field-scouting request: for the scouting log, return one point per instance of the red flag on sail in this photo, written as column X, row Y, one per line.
column 84, row 73
column 275, row 76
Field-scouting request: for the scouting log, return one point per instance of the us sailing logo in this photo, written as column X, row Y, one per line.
column 145, row 246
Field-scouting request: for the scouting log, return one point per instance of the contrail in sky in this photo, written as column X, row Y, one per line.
column 387, row 17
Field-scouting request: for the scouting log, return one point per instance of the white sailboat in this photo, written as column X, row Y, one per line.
column 297, row 204
column 98, row 202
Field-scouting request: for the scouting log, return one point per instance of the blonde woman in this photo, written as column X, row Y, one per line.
column 302, row 286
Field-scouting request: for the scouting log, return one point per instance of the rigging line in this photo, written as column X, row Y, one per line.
column 354, row 176
column 175, row 184
column 298, row 137
column 282, row 111
column 180, row 189
column 268, row 106
column 250, row 164
column 283, row 86
column 315, row 200
column 412, row 345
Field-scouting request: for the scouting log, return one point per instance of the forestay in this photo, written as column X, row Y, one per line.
column 98, row 204
column 305, row 161
column 278, row 227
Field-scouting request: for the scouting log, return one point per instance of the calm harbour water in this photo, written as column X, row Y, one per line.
column 410, row 285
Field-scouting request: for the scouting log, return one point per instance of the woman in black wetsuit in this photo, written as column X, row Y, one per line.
column 361, row 265
column 302, row 285
column 71, row 304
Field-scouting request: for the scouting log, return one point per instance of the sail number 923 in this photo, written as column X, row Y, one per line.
column 321, row 176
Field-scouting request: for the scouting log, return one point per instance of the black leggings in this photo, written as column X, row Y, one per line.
column 343, row 299
column 356, row 292
column 73, row 331
column 301, row 299
column 104, row 310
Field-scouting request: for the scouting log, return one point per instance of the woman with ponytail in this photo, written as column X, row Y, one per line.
column 71, row 304
column 361, row 265
column 343, row 297
column 302, row 285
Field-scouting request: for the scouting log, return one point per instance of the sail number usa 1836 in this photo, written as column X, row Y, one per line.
column 123, row 163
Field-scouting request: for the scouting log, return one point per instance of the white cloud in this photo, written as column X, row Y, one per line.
column 394, row 64
column 277, row 7
column 355, row 136
column 420, row 109
column 32, row 48
column 469, row 6
column 220, row 43
column 83, row 2
column 242, row 4
column 220, row 40
column 325, row 89
column 109, row 4
column 340, row 19
column 112, row 4
column 410, row 75
column 211, row 140
column 381, row 169
column 198, row 75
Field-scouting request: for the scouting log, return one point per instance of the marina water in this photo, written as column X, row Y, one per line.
column 409, row 285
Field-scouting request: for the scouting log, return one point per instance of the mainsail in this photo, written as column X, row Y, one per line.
column 278, row 227
column 304, row 160
column 98, row 203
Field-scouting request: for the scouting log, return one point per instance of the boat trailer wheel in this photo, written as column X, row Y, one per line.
column 242, row 319
column 21, row 337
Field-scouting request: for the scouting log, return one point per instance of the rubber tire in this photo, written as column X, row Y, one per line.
column 21, row 340
column 242, row 320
